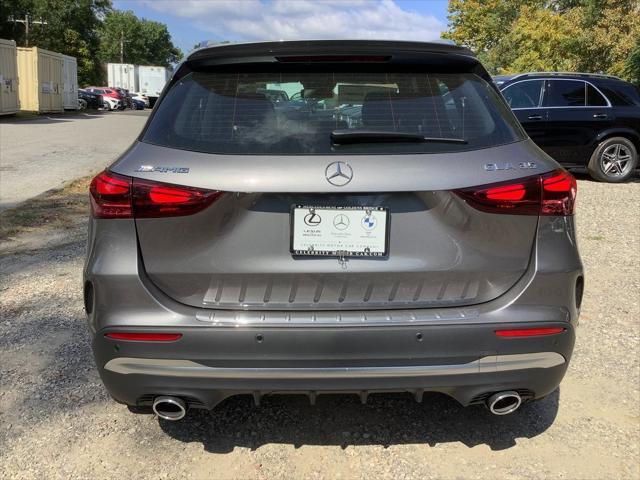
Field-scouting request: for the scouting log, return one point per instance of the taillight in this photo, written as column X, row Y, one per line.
column 152, row 199
column 118, row 196
column 550, row 194
column 111, row 196
column 558, row 193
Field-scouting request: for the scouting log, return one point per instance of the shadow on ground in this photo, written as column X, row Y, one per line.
column 341, row 420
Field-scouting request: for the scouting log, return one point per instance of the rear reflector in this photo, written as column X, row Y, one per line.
column 118, row 196
column 529, row 332
column 550, row 194
column 144, row 337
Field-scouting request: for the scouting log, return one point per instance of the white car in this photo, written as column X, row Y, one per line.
column 110, row 103
column 140, row 96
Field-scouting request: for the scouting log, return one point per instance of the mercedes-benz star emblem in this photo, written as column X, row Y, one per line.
column 341, row 221
column 312, row 219
column 338, row 173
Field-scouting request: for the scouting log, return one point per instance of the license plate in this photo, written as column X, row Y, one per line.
column 340, row 231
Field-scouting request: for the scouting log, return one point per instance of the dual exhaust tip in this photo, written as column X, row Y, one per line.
column 174, row 408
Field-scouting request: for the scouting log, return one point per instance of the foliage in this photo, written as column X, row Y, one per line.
column 632, row 65
column 547, row 35
column 142, row 41
column 89, row 30
column 70, row 29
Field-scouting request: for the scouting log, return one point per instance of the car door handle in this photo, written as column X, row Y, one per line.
column 535, row 117
column 599, row 115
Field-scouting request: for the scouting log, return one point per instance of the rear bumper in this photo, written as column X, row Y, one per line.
column 224, row 353
column 209, row 364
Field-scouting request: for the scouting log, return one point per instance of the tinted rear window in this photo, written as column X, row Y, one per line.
column 621, row 94
column 525, row 94
column 295, row 113
column 566, row 93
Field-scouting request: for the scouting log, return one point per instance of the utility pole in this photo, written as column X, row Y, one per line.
column 26, row 21
column 121, row 46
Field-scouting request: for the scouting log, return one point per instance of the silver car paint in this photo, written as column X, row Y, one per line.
column 157, row 275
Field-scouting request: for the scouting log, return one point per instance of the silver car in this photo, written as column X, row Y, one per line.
column 246, row 246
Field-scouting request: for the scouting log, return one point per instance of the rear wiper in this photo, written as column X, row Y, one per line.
column 345, row 137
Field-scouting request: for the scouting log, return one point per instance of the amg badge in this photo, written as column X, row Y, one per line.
column 156, row 169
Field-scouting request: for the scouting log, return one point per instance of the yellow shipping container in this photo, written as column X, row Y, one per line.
column 8, row 77
column 40, row 80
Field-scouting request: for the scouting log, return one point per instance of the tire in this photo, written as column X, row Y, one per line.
column 614, row 160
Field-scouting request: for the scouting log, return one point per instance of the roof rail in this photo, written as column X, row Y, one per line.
column 572, row 74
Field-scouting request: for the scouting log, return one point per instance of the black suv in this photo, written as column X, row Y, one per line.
column 580, row 119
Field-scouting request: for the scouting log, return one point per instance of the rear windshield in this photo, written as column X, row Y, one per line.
column 295, row 113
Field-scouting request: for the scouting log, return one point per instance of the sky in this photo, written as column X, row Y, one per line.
column 193, row 21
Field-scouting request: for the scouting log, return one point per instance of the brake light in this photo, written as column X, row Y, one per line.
column 333, row 58
column 550, row 194
column 153, row 199
column 118, row 196
column 529, row 332
column 144, row 337
column 516, row 198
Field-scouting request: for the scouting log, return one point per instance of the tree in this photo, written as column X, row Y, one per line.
column 127, row 38
column 71, row 28
column 632, row 65
column 529, row 35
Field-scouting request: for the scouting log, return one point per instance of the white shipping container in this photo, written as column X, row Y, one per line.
column 70, row 83
column 8, row 77
column 151, row 80
column 122, row 75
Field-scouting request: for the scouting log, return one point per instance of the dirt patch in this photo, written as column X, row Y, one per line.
column 60, row 210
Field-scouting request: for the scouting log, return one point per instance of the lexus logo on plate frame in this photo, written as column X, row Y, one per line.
column 338, row 173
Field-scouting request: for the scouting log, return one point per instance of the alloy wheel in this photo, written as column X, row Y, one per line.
column 615, row 160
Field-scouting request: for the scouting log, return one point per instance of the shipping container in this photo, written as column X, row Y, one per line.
column 122, row 75
column 70, row 77
column 40, row 80
column 151, row 81
column 8, row 77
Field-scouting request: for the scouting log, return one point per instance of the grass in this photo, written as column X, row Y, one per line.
column 58, row 209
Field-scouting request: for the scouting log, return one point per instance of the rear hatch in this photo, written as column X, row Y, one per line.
column 389, row 150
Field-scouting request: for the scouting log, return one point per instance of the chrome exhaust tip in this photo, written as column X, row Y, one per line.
column 169, row 408
column 504, row 403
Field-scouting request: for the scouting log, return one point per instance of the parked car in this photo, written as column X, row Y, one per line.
column 429, row 247
column 137, row 104
column 140, row 96
column 92, row 100
column 110, row 103
column 579, row 119
column 124, row 97
column 109, row 93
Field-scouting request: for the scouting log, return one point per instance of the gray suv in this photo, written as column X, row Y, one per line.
column 384, row 226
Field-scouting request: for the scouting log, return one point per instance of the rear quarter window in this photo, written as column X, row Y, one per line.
column 290, row 112
column 621, row 94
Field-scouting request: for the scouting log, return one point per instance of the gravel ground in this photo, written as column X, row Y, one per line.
column 56, row 420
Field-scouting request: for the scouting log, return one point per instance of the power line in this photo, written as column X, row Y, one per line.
column 26, row 21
